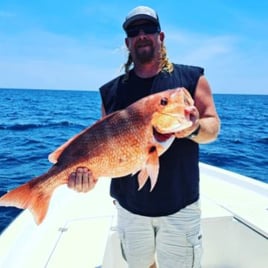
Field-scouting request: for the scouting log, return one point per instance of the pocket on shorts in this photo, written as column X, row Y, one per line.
column 121, row 236
column 123, row 220
column 196, row 242
column 197, row 253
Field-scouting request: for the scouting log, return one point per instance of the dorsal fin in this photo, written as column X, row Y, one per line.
column 53, row 157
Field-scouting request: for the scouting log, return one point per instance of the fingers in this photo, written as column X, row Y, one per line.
column 82, row 180
column 192, row 114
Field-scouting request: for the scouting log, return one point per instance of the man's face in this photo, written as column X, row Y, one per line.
column 143, row 41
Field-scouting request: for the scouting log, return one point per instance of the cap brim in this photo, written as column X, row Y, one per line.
column 133, row 19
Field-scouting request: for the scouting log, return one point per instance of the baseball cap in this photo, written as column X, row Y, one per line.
column 141, row 13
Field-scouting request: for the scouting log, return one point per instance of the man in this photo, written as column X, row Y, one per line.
column 165, row 222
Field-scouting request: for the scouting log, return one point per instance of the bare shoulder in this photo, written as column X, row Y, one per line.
column 204, row 99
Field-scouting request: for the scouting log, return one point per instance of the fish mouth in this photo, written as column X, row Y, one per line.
column 165, row 135
column 179, row 127
column 181, row 122
column 161, row 137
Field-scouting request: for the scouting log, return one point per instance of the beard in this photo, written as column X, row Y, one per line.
column 144, row 52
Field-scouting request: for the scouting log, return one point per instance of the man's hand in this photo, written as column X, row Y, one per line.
column 193, row 114
column 82, row 180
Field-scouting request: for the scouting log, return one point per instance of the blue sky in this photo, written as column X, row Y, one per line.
column 80, row 44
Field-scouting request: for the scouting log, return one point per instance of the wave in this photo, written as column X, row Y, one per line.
column 30, row 126
column 263, row 140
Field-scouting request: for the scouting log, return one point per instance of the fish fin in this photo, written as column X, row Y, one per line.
column 28, row 197
column 152, row 165
column 142, row 178
column 151, row 168
column 54, row 156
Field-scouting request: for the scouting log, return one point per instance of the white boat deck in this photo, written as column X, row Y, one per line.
column 234, row 222
column 245, row 198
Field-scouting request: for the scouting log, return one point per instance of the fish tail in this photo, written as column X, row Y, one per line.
column 29, row 196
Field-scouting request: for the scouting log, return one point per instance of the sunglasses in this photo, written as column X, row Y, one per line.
column 146, row 28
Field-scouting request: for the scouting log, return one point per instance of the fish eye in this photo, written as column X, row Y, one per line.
column 164, row 101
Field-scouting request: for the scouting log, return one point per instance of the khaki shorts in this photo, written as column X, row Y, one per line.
column 175, row 240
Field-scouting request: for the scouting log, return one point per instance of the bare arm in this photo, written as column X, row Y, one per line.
column 208, row 118
column 203, row 115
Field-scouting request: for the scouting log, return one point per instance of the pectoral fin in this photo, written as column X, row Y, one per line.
column 152, row 166
column 142, row 178
column 151, row 169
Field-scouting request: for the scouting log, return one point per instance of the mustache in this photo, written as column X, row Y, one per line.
column 141, row 43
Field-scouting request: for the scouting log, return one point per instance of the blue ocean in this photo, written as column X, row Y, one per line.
column 34, row 123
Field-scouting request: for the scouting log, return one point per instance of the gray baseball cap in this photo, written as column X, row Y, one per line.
column 141, row 13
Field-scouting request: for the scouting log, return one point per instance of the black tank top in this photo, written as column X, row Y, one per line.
column 178, row 179
column 137, row 89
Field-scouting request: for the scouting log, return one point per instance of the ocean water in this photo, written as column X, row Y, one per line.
column 34, row 123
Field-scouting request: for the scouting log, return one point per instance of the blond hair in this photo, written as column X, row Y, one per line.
column 165, row 64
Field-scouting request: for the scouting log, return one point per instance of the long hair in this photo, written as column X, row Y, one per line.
column 165, row 64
